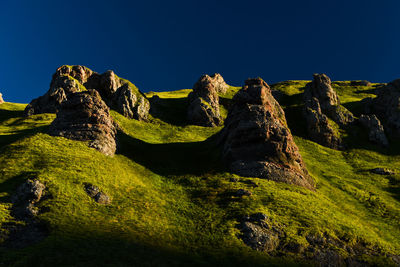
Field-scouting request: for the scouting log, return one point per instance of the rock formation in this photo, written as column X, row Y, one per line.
column 318, row 127
column 360, row 83
column 117, row 93
column 256, row 140
column 85, row 117
column 320, row 103
column 386, row 106
column 376, row 132
column 321, row 89
column 203, row 106
column 219, row 83
column 1, row 98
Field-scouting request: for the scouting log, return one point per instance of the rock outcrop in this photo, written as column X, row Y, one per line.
column 117, row 93
column 360, row 83
column 256, row 140
column 376, row 132
column 321, row 103
column 203, row 109
column 319, row 128
column 1, row 98
column 321, row 89
column 219, row 83
column 386, row 106
column 85, row 117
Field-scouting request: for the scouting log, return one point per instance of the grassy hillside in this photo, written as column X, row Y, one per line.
column 173, row 201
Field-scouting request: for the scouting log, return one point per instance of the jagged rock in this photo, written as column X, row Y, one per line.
column 321, row 89
column 376, row 132
column 257, row 234
column 360, row 83
column 219, row 83
column 256, row 140
column 29, row 192
column 98, row 196
column 382, row 171
column 386, row 106
column 117, row 93
column 203, row 106
column 318, row 126
column 85, row 117
column 1, row 98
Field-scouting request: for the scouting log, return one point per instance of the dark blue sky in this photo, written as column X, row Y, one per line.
column 167, row 45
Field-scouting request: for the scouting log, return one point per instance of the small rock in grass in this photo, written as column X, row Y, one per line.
column 98, row 196
column 382, row 171
column 243, row 192
column 233, row 180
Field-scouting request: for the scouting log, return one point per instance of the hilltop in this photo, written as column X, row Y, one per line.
column 172, row 193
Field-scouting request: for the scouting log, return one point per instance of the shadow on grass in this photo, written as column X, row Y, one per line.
column 9, row 114
column 90, row 248
column 11, row 138
column 170, row 110
column 173, row 158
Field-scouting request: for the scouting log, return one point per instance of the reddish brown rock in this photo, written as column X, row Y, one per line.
column 256, row 140
column 203, row 109
column 85, row 117
column 1, row 98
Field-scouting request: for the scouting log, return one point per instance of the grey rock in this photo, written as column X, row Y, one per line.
column 360, row 83
column 256, row 141
column 29, row 192
column 376, row 132
column 85, row 117
column 203, row 109
column 321, row 89
column 319, row 128
column 98, row 196
column 131, row 103
column 259, row 238
column 386, row 106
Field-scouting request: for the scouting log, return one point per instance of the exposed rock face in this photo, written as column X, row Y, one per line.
column 376, row 132
column 85, row 117
column 321, row 89
column 1, row 98
column 219, row 83
column 257, row 141
column 386, row 106
column 318, row 126
column 203, row 107
column 117, row 93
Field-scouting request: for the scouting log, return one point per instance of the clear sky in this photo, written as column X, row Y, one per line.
column 167, row 45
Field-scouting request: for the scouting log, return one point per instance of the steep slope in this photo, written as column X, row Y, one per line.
column 174, row 204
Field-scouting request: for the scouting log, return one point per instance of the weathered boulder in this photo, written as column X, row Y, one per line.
column 386, row 106
column 24, row 199
column 203, row 109
column 319, row 128
column 256, row 140
column 98, row 195
column 117, row 93
column 85, row 117
column 321, row 89
column 376, row 132
column 1, row 98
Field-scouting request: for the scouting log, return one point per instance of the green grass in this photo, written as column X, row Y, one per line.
column 172, row 201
